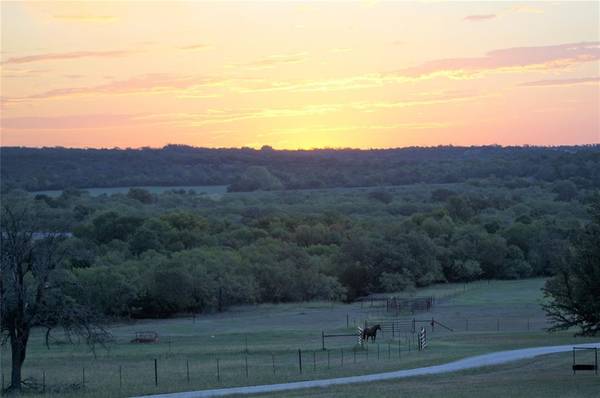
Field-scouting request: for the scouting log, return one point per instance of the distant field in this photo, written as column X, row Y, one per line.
column 208, row 189
column 274, row 333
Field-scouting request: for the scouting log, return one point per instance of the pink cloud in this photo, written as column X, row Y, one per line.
column 479, row 18
column 67, row 122
column 541, row 57
column 69, row 55
column 138, row 84
column 561, row 82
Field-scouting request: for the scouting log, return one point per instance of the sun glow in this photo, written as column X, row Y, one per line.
column 319, row 75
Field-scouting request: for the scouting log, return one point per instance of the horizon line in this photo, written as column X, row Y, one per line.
column 267, row 147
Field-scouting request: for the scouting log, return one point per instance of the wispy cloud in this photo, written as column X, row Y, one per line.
column 479, row 18
column 220, row 116
column 195, row 47
column 526, row 9
column 150, row 83
column 340, row 50
column 66, row 55
column 516, row 59
column 69, row 122
column 562, row 82
column 518, row 9
column 273, row 60
column 21, row 73
column 86, row 18
column 347, row 128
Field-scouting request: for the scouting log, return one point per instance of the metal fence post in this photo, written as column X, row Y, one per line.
column 314, row 360
column 246, row 364
column 187, row 369
column 273, row 361
column 323, row 340
column 155, row 372
column 120, row 377
column 328, row 360
column 83, row 376
column 218, row 371
column 300, row 360
column 342, row 357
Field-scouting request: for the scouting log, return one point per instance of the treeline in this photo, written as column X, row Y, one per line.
column 149, row 255
column 247, row 169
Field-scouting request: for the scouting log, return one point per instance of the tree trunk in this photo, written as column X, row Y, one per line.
column 18, row 345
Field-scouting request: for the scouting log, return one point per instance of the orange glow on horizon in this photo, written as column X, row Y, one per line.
column 299, row 76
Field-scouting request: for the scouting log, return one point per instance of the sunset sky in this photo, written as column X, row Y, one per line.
column 299, row 74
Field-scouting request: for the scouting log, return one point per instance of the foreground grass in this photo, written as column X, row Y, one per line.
column 548, row 376
column 267, row 335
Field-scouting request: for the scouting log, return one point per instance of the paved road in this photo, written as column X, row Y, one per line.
column 494, row 358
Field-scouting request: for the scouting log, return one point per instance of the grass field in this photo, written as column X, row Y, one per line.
column 546, row 376
column 208, row 189
column 500, row 315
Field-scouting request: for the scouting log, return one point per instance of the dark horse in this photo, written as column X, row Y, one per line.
column 370, row 332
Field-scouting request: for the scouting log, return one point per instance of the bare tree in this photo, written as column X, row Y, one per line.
column 35, row 290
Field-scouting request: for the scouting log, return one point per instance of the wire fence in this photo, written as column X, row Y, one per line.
column 176, row 363
column 177, row 371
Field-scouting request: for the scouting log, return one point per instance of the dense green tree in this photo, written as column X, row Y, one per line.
column 141, row 195
column 574, row 291
column 565, row 190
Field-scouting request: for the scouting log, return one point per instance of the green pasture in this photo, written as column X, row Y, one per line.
column 548, row 376
column 271, row 334
column 207, row 189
